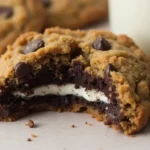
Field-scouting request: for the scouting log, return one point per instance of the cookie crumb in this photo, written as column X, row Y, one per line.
column 89, row 124
column 30, row 124
column 29, row 140
column 132, row 136
column 34, row 136
column 73, row 126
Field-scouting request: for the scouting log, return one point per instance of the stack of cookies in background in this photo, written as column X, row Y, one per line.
column 19, row 16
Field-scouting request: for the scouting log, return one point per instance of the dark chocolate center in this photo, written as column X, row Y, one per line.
column 60, row 102
column 74, row 74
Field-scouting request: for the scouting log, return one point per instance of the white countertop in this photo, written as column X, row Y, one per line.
column 54, row 132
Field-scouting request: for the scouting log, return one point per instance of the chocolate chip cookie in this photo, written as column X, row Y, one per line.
column 18, row 16
column 96, row 72
column 75, row 13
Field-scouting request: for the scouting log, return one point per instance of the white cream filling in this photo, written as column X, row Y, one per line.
column 67, row 89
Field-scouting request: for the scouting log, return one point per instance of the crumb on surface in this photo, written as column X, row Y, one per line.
column 34, row 136
column 29, row 140
column 89, row 124
column 73, row 126
column 30, row 124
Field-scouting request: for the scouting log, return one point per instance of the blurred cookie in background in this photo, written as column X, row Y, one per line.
column 75, row 13
column 18, row 16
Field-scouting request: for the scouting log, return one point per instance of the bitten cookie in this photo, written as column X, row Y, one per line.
column 18, row 16
column 75, row 13
column 96, row 72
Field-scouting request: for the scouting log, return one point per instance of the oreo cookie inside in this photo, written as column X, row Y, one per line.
column 75, row 87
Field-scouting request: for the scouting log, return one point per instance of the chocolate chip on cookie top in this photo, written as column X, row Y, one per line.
column 101, row 44
column 46, row 3
column 22, row 70
column 33, row 46
column 6, row 12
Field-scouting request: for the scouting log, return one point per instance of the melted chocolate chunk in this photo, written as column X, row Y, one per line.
column 22, row 69
column 33, row 46
column 101, row 44
column 7, row 12
column 46, row 3
column 109, row 68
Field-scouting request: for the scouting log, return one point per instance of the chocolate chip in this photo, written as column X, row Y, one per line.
column 7, row 12
column 109, row 68
column 46, row 3
column 33, row 46
column 101, row 44
column 22, row 69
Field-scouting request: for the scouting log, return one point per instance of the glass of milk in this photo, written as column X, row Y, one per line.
column 131, row 17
